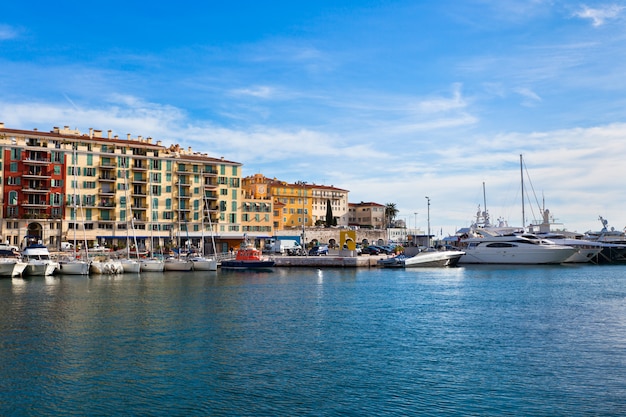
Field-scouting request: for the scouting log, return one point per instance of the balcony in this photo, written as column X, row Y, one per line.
column 107, row 178
column 106, row 191
column 139, row 179
column 35, row 190
column 107, row 219
column 37, row 161
column 35, row 203
column 36, row 173
column 107, row 165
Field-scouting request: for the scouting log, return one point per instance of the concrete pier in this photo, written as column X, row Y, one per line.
column 329, row 261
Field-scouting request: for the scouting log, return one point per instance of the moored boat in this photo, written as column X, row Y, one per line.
column 39, row 262
column 200, row 263
column 512, row 249
column 73, row 266
column 11, row 263
column 178, row 264
column 248, row 257
column 106, row 267
column 152, row 265
column 130, row 266
column 424, row 259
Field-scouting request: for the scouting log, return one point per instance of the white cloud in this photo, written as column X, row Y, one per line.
column 442, row 104
column 598, row 16
column 530, row 97
column 8, row 32
column 260, row 91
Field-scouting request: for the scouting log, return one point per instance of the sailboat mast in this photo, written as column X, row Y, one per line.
column 485, row 217
column 521, row 167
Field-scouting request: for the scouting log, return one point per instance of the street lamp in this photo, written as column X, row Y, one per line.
column 414, row 231
column 303, row 184
column 428, row 199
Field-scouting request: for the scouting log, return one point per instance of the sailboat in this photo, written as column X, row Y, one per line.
column 176, row 263
column 152, row 264
column 130, row 266
column 74, row 265
column 200, row 262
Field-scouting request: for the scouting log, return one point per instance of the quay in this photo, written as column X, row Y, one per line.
column 332, row 260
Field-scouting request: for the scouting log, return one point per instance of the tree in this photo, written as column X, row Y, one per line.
column 329, row 214
column 390, row 213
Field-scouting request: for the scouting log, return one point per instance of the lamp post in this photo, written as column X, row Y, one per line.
column 415, row 230
column 303, row 184
column 428, row 199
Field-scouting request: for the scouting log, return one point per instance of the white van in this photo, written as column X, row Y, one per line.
column 286, row 246
column 67, row 246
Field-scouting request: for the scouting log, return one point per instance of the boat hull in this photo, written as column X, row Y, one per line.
column 583, row 256
column 106, row 267
column 130, row 266
column 203, row 264
column 178, row 265
column 546, row 255
column 12, row 268
column 434, row 259
column 428, row 259
column 242, row 264
column 152, row 265
column 40, row 268
column 74, row 268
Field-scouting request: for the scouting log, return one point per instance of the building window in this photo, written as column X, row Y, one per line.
column 13, row 198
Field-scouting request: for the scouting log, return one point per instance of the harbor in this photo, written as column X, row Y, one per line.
column 473, row 340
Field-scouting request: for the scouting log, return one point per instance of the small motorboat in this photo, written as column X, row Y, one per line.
column 424, row 259
column 248, row 257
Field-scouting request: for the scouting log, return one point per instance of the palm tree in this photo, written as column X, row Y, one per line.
column 390, row 213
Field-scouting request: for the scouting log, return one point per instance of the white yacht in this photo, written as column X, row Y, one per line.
column 424, row 259
column 38, row 260
column 586, row 250
column 11, row 263
column 512, row 249
column 613, row 243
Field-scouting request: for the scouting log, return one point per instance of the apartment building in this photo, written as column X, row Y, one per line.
column 367, row 214
column 64, row 185
column 299, row 204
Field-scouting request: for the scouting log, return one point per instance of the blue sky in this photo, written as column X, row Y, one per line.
column 391, row 100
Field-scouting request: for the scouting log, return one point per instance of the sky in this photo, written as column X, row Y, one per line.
column 394, row 101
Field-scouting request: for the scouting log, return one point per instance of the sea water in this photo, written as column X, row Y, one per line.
column 478, row 340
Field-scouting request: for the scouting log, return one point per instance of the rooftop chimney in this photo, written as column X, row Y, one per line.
column 109, row 133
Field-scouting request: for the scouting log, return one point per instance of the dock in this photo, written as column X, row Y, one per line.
column 329, row 261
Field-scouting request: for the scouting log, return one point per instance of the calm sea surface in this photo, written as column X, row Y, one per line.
column 351, row 342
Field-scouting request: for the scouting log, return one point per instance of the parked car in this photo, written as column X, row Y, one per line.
column 370, row 250
column 318, row 250
column 382, row 249
column 296, row 252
